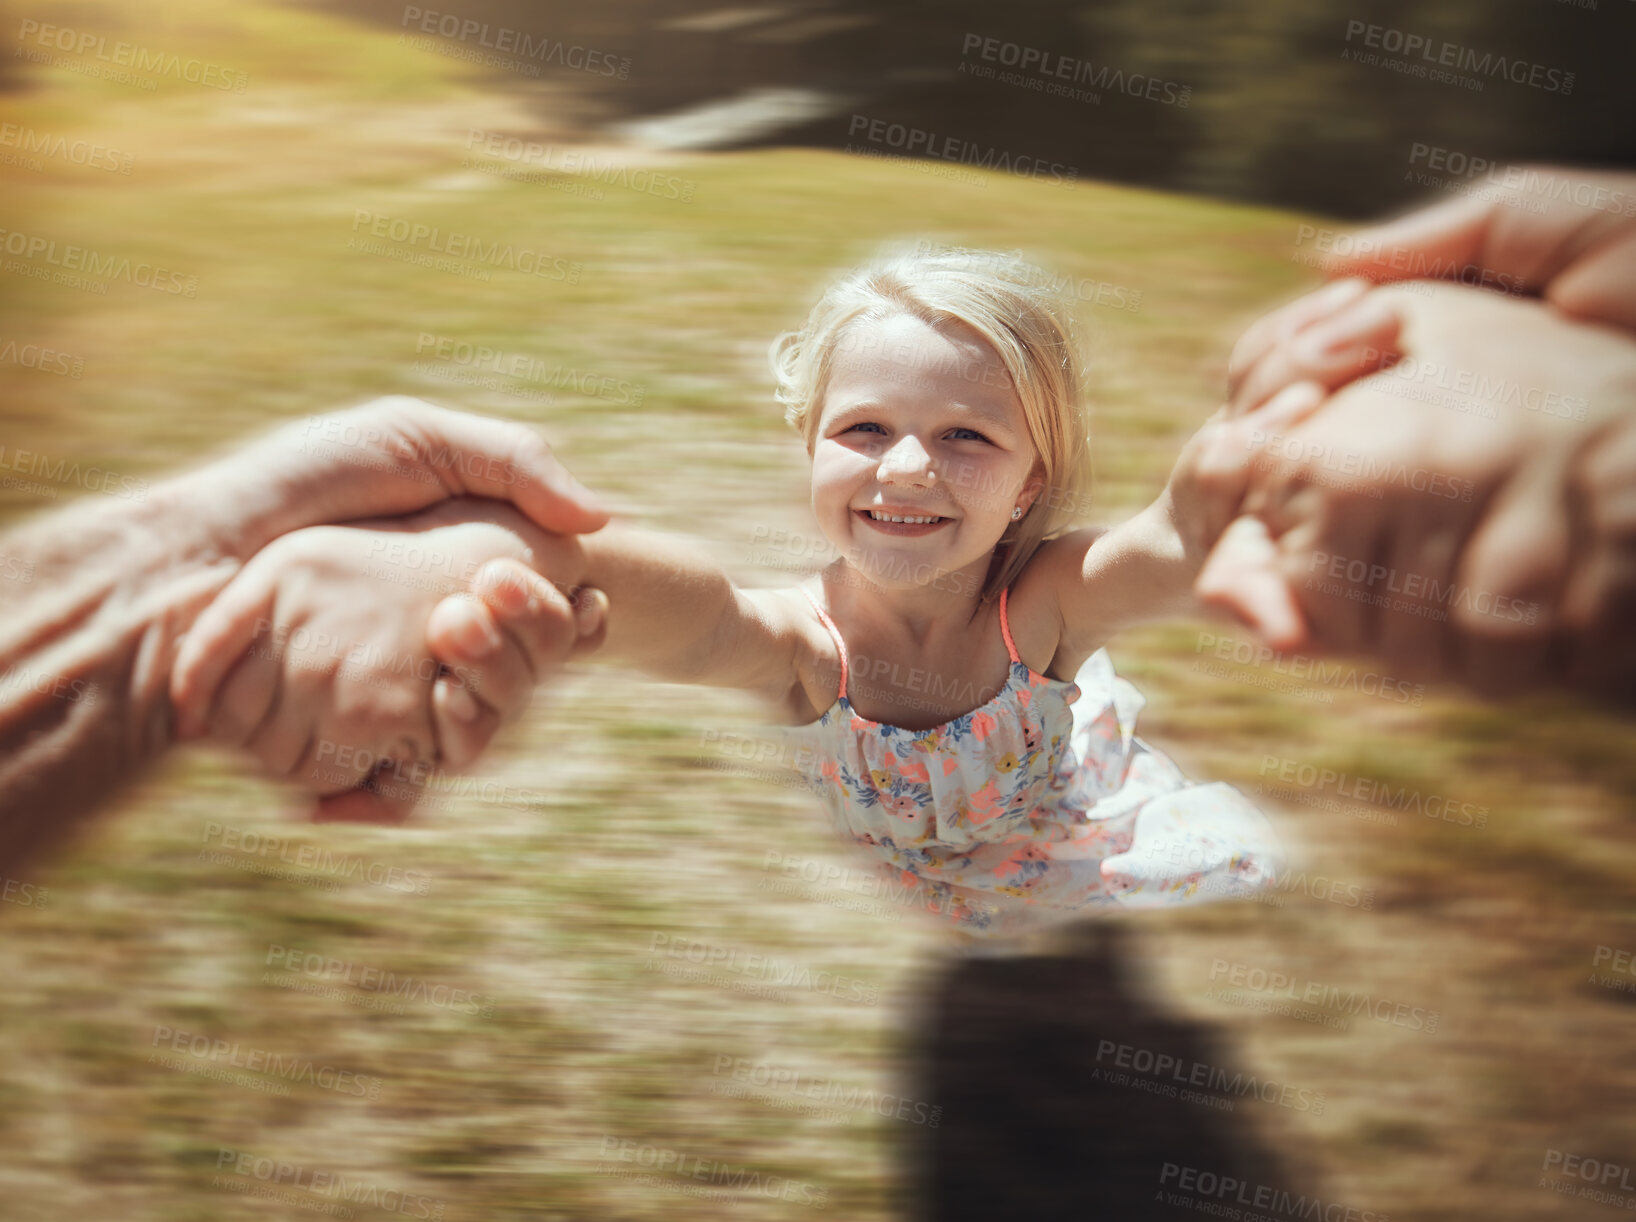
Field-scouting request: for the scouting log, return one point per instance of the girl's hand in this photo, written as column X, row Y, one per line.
column 1204, row 505
column 471, row 631
column 1211, row 478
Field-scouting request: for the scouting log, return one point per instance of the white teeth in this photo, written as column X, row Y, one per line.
column 884, row 517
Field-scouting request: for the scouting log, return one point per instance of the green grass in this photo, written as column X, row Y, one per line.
column 551, row 908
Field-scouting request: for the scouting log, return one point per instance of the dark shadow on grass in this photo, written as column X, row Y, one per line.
column 1016, row 1053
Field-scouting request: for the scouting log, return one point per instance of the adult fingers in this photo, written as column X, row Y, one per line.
column 1451, row 234
column 464, row 724
column 389, row 792
column 388, row 803
column 1599, row 604
column 1340, row 582
column 1350, row 342
column 1278, row 327
column 220, row 636
column 1598, row 287
column 1576, row 246
column 1414, row 627
column 245, row 698
column 1506, row 583
column 446, row 453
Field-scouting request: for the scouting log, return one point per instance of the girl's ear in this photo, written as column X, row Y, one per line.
column 1034, row 486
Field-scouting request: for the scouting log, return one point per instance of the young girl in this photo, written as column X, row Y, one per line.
column 942, row 682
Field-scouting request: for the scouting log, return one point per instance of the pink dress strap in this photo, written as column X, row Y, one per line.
column 1005, row 627
column 834, row 632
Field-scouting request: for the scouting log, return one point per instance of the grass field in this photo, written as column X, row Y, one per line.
column 542, row 1032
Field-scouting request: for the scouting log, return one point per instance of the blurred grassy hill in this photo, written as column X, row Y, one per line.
column 615, row 832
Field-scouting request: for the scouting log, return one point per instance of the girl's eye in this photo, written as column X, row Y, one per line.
column 870, row 424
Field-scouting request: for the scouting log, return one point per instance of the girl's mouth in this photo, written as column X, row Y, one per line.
column 918, row 525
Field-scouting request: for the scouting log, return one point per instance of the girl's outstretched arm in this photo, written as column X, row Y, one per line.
column 1107, row 579
column 672, row 611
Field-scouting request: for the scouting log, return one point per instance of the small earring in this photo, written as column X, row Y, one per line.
column 1016, row 512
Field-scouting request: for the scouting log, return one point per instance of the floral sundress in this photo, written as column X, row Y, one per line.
column 1038, row 806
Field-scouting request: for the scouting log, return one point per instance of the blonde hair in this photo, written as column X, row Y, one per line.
column 1009, row 302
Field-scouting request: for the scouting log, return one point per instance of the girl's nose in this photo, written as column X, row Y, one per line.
column 909, row 457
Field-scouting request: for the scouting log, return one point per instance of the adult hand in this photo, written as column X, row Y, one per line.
column 391, row 456
column 1563, row 234
column 1460, row 513
column 1566, row 235
column 398, row 455
column 113, row 585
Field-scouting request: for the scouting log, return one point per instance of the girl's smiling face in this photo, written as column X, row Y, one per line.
column 919, row 421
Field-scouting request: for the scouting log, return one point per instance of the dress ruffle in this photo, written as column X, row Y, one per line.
column 1041, row 805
